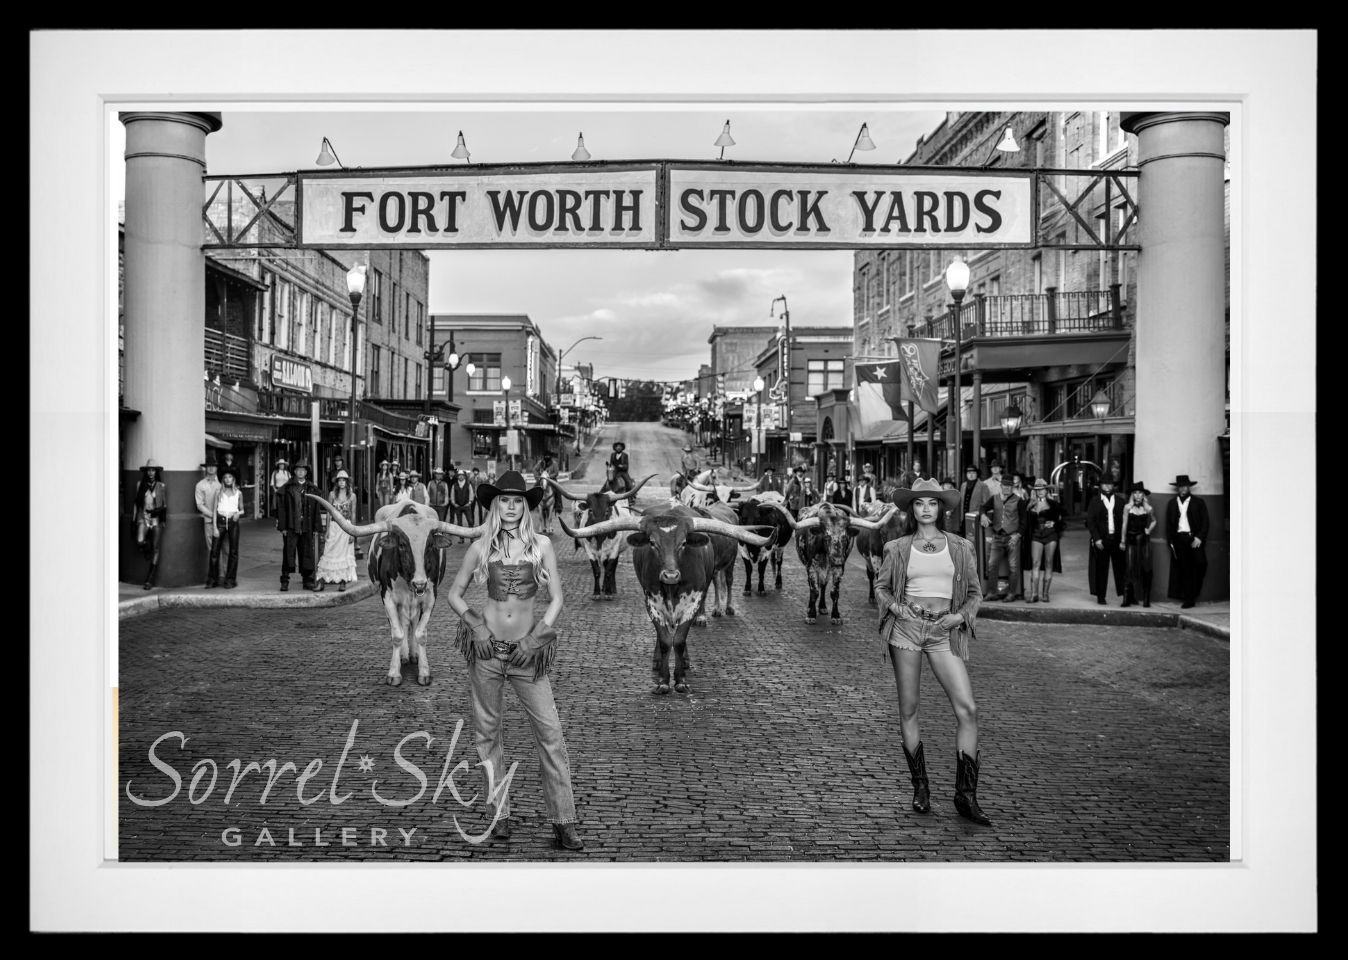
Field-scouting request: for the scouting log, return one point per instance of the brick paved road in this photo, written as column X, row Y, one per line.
column 1099, row 743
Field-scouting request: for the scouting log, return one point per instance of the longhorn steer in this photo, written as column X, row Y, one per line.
column 675, row 561
column 408, row 559
column 823, row 541
column 603, row 551
column 725, row 549
column 698, row 493
column 758, row 511
column 871, row 543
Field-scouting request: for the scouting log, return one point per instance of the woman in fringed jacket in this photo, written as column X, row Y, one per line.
column 929, row 593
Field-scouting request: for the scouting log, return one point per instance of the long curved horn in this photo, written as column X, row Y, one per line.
column 743, row 489
column 872, row 524
column 741, row 534
column 364, row 530
column 844, row 508
column 615, row 497
column 562, row 490
column 805, row 524
column 454, row 530
column 700, row 487
column 603, row 528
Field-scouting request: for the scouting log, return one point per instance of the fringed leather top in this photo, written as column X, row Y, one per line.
column 517, row 579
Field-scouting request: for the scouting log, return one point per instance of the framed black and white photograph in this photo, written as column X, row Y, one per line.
column 831, row 493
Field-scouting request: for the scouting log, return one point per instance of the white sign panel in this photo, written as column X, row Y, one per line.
column 719, row 205
column 554, row 207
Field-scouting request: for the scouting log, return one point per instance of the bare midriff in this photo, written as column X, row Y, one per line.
column 510, row 619
column 931, row 604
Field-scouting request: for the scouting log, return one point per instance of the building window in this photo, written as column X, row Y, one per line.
column 824, row 375
column 437, row 380
column 487, row 372
column 1037, row 263
column 374, row 371
column 407, row 318
column 417, row 381
column 484, row 445
column 405, row 372
column 376, row 296
column 421, row 321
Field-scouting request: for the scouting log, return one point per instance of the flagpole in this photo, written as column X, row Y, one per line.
column 911, row 421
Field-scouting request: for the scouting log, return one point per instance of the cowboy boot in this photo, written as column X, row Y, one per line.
column 149, row 577
column 1048, row 578
column 1146, row 596
column 564, row 836
column 966, row 788
column 1034, row 587
column 1127, row 596
column 917, row 770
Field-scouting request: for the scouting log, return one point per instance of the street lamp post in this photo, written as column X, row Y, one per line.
column 451, row 362
column 355, row 288
column 505, row 388
column 558, row 384
column 957, row 279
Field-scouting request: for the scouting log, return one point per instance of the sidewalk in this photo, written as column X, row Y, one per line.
column 1074, row 603
column 259, row 578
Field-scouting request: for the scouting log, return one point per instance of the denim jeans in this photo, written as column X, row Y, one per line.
column 488, row 678
column 227, row 536
column 1009, row 544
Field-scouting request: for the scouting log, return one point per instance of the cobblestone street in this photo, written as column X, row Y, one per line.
column 1098, row 743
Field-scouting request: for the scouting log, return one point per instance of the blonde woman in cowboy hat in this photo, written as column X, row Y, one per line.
column 338, row 563
column 150, row 511
column 1044, row 521
column 1139, row 519
column 383, row 484
column 402, row 488
column 507, row 641
column 929, row 593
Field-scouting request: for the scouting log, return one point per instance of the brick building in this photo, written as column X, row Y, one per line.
column 734, row 352
column 1069, row 314
column 500, row 346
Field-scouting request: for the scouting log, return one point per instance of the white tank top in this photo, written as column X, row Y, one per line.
column 930, row 574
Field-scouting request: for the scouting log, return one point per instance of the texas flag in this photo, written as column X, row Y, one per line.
column 888, row 374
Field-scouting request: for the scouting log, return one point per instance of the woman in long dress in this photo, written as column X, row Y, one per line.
column 1139, row 519
column 338, row 563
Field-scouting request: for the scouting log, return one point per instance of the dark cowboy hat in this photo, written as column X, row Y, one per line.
column 511, row 482
column 1109, row 478
column 304, row 464
column 1183, row 481
column 927, row 488
column 619, row 445
column 1139, row 485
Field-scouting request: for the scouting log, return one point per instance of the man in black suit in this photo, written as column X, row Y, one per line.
column 1104, row 522
column 1186, row 530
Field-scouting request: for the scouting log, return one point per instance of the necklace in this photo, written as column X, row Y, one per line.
column 928, row 546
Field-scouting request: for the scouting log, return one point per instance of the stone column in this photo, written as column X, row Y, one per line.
column 1180, row 398
column 976, row 415
column 165, row 299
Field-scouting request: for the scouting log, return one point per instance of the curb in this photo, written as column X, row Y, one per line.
column 1204, row 627
column 1105, row 618
column 141, row 606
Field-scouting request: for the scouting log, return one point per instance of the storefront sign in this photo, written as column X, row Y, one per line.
column 717, row 205
column 509, row 206
column 498, row 412
column 291, row 374
column 531, row 365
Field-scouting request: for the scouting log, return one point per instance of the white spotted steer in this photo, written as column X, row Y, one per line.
column 407, row 559
column 674, row 559
column 603, row 551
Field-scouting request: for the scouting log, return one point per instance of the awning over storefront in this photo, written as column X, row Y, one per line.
column 497, row 427
column 217, row 443
column 236, row 430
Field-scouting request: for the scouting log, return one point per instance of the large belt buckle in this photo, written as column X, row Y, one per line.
column 502, row 649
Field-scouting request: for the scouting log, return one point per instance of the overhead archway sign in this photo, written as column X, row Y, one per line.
column 667, row 205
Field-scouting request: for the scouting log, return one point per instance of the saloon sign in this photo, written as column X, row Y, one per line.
column 291, row 375
column 669, row 205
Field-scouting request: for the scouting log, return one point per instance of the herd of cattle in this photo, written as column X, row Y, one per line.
column 684, row 553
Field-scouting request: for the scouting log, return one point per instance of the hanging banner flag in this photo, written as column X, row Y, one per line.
column 548, row 205
column 781, row 205
column 918, row 359
column 890, row 378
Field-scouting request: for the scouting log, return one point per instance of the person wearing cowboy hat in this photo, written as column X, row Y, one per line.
column 438, row 492
column 229, row 466
column 338, row 563
column 769, row 481
column 226, row 512
column 1004, row 516
column 461, row 496
column 297, row 519
column 402, row 487
column 383, row 484
column 1139, row 519
column 207, row 487
column 928, row 593
column 1043, row 524
column 279, row 478
column 505, row 641
column 1104, row 523
column 688, row 463
column 418, row 489
column 149, row 513
column 618, row 458
column 1186, row 531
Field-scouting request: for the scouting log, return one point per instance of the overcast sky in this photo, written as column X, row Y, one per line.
column 654, row 309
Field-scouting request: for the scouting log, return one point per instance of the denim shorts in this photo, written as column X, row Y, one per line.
column 924, row 636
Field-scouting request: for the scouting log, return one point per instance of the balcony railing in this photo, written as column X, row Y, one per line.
column 1077, row 403
column 1032, row 315
column 227, row 355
